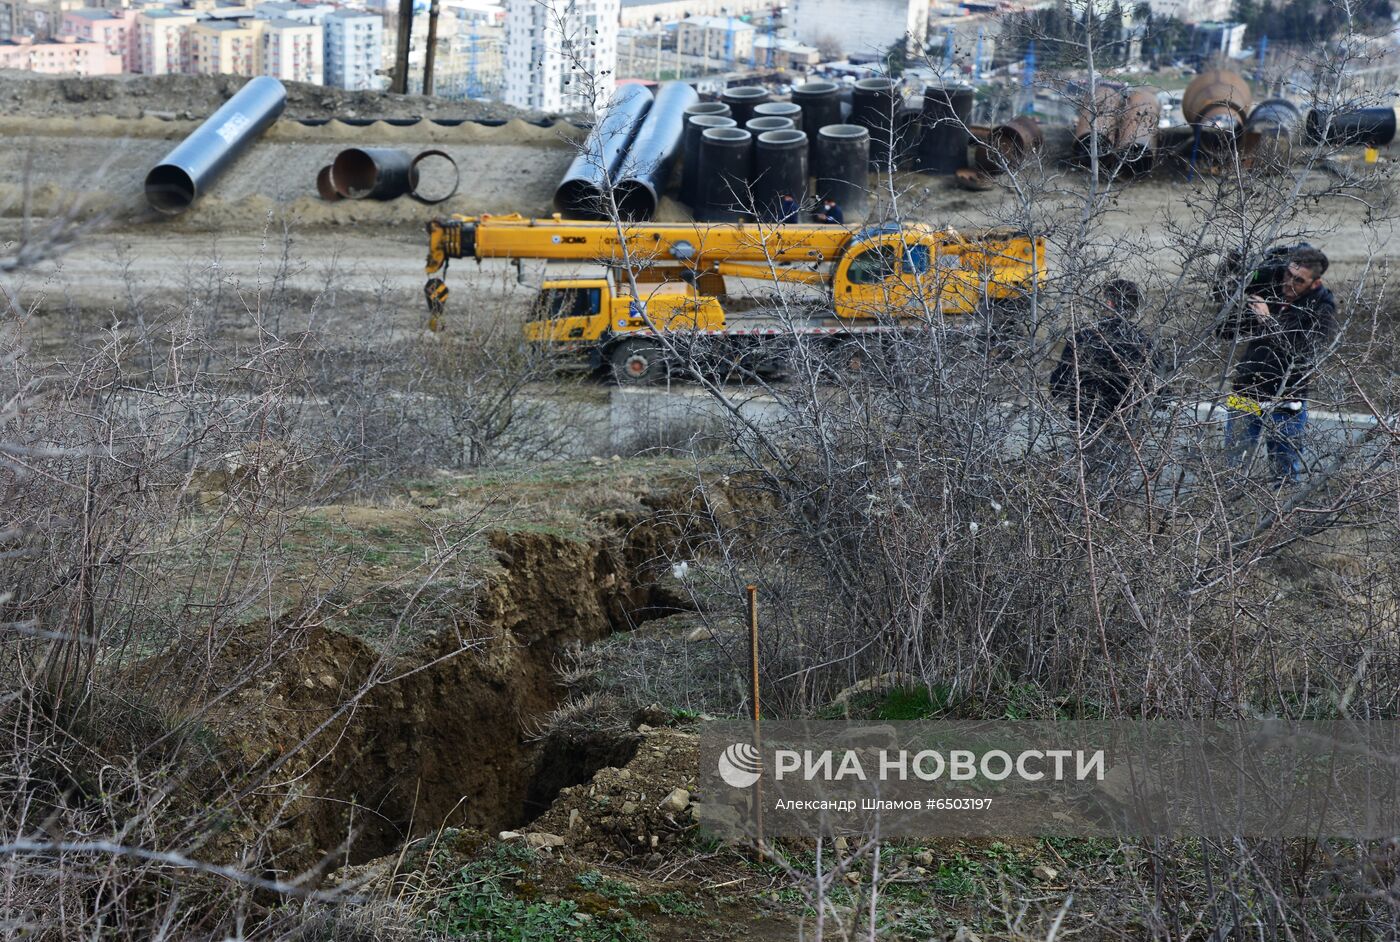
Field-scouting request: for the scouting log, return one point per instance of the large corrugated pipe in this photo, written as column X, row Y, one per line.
column 646, row 169
column 188, row 171
column 580, row 192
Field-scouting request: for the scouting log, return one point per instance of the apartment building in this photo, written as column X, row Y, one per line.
column 353, row 49
column 561, row 55
column 114, row 30
column 292, row 51
column 226, row 47
column 64, row 56
column 163, row 40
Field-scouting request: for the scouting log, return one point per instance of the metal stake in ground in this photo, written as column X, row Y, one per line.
column 757, row 722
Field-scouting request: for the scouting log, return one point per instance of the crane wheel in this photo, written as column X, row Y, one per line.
column 635, row 362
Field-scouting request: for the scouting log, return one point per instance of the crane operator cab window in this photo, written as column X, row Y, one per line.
column 569, row 302
column 873, row 265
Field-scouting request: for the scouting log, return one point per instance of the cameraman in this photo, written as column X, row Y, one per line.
column 1290, row 315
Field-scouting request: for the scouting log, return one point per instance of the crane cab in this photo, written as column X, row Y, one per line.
column 585, row 310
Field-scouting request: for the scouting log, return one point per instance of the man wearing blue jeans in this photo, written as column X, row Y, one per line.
column 1290, row 317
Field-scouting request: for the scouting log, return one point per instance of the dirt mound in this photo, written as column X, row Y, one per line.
column 645, row 807
column 197, row 96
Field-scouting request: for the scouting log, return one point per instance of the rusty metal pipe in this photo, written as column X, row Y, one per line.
column 1010, row 145
column 1218, row 99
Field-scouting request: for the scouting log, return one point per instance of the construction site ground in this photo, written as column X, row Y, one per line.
column 613, row 852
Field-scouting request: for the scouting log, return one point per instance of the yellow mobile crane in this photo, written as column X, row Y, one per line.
column 670, row 278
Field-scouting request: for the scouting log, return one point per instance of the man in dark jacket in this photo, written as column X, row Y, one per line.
column 1106, row 368
column 787, row 208
column 830, row 213
column 1286, row 328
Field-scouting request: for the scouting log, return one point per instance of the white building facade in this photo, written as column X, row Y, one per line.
column 860, row 27
column 353, row 49
column 561, row 55
column 292, row 51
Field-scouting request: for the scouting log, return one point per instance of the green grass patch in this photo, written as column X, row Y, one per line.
column 483, row 905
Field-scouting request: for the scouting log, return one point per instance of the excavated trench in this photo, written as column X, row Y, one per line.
column 453, row 740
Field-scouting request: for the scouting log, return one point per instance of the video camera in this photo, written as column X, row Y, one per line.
column 1265, row 282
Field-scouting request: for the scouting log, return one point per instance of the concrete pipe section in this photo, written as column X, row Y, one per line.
column 780, row 109
column 843, row 167
column 947, row 115
column 779, row 166
column 821, row 106
column 757, row 126
column 646, row 167
column 692, row 165
column 742, row 99
column 875, row 106
column 726, row 156
column 188, row 171
column 580, row 193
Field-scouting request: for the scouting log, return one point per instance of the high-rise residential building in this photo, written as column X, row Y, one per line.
column 561, row 55
column 163, row 38
column 354, row 51
column 66, row 55
column 292, row 51
column 226, row 47
column 113, row 29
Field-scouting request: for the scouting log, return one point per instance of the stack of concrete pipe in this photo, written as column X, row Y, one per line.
column 735, row 171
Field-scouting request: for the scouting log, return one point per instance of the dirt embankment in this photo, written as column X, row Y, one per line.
column 197, row 96
column 348, row 743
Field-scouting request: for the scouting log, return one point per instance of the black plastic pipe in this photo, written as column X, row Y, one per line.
column 779, row 166
column 947, row 115
column 780, row 109
column 843, row 167
column 726, row 154
column 580, row 192
column 875, row 106
column 189, row 170
column 373, row 173
column 821, row 105
column 1369, row 127
column 695, row 125
column 741, row 100
column 646, row 169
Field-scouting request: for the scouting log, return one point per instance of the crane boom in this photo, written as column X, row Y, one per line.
column 692, row 244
